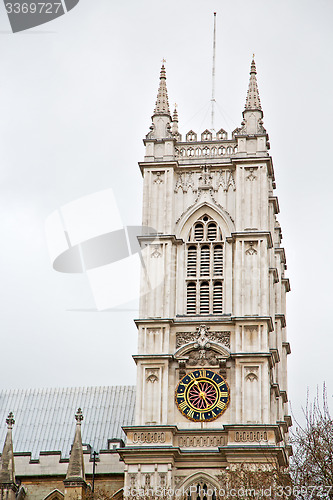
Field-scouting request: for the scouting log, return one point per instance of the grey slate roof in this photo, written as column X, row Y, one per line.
column 45, row 417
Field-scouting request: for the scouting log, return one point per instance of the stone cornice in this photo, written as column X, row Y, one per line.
column 275, row 273
column 260, row 451
column 282, row 319
column 158, row 164
column 275, row 354
column 266, row 427
column 276, row 389
column 213, row 165
column 198, row 320
column 257, row 159
column 251, row 355
column 286, row 283
column 286, row 345
column 284, row 396
column 138, row 357
column 251, row 235
column 281, row 251
column 275, row 202
column 226, row 319
column 255, row 319
column 153, row 321
column 156, row 238
column 162, row 442
column 289, row 420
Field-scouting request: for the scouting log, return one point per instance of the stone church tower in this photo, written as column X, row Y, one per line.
column 212, row 348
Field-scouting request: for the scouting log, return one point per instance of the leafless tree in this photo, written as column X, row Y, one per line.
column 312, row 463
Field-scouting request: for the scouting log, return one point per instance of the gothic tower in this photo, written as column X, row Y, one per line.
column 212, row 348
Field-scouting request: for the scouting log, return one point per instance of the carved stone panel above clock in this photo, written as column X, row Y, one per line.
column 201, row 336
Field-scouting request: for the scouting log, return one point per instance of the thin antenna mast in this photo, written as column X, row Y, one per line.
column 213, row 76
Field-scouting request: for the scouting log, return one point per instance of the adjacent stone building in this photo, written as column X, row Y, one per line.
column 211, row 392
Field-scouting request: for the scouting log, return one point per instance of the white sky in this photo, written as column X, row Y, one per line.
column 76, row 96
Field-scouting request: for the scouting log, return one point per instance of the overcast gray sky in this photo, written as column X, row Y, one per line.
column 76, row 96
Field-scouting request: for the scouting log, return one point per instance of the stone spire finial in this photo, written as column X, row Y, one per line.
column 75, row 472
column 174, row 125
column 162, row 103
column 252, row 98
column 78, row 416
column 175, row 114
column 10, row 420
column 7, row 469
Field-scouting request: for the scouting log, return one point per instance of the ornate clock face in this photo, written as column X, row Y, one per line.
column 202, row 395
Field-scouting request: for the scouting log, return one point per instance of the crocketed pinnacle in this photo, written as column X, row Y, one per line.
column 175, row 114
column 162, row 103
column 7, row 470
column 252, row 98
column 75, row 471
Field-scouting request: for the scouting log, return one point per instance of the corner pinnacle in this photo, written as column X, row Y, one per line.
column 252, row 98
column 162, row 103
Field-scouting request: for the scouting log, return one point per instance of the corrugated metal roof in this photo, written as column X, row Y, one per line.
column 45, row 417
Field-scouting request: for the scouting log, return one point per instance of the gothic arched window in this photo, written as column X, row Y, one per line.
column 204, row 257
column 202, row 491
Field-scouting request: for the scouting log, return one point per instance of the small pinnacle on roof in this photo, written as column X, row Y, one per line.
column 162, row 103
column 10, row 420
column 7, row 468
column 78, row 416
column 175, row 114
column 252, row 98
column 75, row 471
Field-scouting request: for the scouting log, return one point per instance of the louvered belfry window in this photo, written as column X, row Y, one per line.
column 204, row 280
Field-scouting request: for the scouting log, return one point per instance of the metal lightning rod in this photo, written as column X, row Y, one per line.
column 213, row 77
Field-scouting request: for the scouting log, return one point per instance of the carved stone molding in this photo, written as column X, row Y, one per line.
column 251, row 436
column 251, row 373
column 154, row 331
column 163, row 479
column 148, row 437
column 147, row 480
column 201, row 441
column 185, row 180
column 179, row 479
column 158, row 177
column 205, row 179
column 152, row 375
column 157, row 251
column 202, row 357
column 251, row 250
column 251, row 177
column 132, row 480
column 251, row 328
column 202, row 336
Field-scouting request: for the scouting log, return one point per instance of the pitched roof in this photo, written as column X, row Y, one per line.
column 44, row 417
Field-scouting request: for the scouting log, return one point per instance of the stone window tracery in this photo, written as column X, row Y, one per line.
column 204, row 274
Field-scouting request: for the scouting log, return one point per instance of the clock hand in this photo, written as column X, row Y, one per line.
column 205, row 400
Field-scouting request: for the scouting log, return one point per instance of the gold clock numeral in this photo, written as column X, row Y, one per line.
column 182, row 405
column 224, row 394
column 202, row 416
column 202, row 373
column 220, row 405
column 190, row 413
column 191, row 376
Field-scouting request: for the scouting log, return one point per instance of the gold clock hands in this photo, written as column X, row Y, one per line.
column 205, row 400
